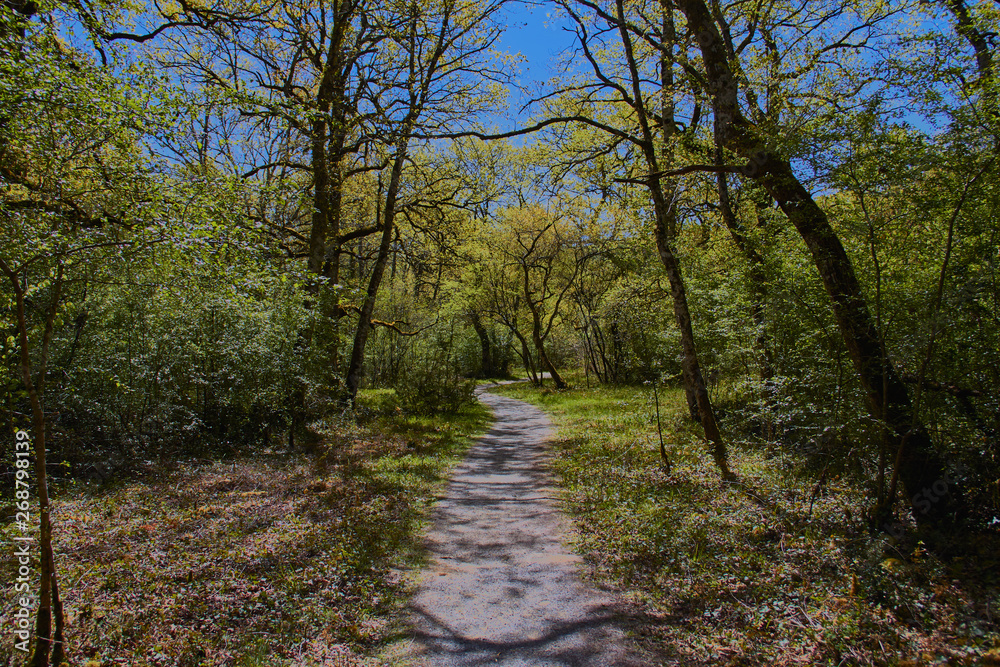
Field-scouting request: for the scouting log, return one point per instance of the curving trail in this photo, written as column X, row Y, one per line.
column 502, row 589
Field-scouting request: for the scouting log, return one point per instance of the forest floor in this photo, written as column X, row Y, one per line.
column 779, row 570
column 258, row 560
column 503, row 587
column 278, row 559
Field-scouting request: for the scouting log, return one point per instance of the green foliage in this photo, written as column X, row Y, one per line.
column 432, row 387
column 381, row 402
column 389, row 353
column 210, row 558
column 186, row 356
column 164, row 215
column 634, row 338
column 433, row 384
column 765, row 571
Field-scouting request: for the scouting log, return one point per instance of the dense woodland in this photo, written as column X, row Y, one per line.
column 223, row 221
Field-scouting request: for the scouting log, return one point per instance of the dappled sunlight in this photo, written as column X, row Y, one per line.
column 773, row 568
column 258, row 260
column 194, row 566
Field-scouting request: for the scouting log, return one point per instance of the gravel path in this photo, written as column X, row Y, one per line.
column 502, row 588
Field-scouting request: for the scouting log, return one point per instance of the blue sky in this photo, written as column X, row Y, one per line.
column 537, row 36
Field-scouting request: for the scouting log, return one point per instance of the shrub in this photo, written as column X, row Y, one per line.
column 432, row 386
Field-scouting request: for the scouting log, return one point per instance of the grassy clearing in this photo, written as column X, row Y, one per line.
column 272, row 559
column 781, row 572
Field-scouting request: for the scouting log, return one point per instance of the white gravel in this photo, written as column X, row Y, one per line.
column 502, row 587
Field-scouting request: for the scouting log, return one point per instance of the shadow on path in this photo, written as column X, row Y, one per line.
column 502, row 588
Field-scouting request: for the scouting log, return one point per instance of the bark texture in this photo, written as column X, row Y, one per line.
column 921, row 469
column 378, row 270
column 694, row 381
column 49, row 606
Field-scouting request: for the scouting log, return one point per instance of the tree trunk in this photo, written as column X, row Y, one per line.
column 328, row 138
column 593, row 345
column 543, row 358
column 669, row 185
column 44, row 641
column 665, row 214
column 690, row 364
column 597, row 345
column 486, row 367
column 331, row 308
column 527, row 359
column 965, row 25
column 757, row 272
column 419, row 84
column 375, row 281
column 536, row 332
column 921, row 470
column 321, row 198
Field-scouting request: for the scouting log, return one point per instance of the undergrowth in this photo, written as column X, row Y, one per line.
column 269, row 559
column 776, row 570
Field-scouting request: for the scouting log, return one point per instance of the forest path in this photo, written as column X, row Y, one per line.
column 502, row 588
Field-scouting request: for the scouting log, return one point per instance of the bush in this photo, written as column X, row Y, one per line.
column 179, row 359
column 432, row 387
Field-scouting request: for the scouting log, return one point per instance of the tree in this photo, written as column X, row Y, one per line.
column 918, row 464
column 70, row 168
column 973, row 24
column 347, row 86
column 540, row 250
column 498, row 291
column 439, row 81
column 626, row 118
column 49, row 604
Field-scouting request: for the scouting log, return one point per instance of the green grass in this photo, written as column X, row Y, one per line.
column 257, row 561
column 751, row 574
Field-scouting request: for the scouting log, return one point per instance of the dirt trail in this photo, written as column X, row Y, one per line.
column 502, row 588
